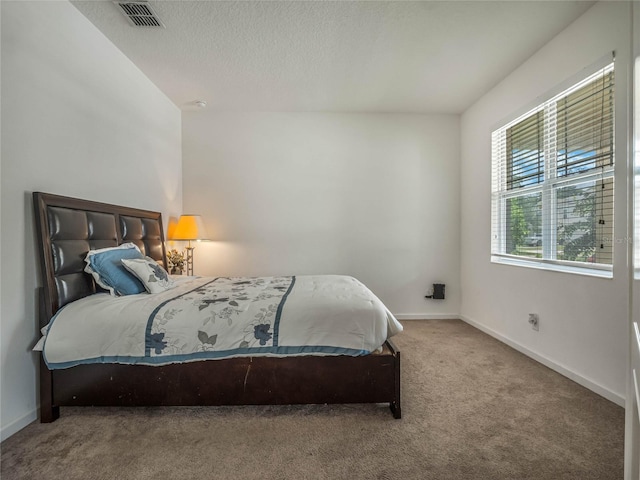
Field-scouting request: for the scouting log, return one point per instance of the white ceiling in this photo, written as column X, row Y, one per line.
column 396, row 56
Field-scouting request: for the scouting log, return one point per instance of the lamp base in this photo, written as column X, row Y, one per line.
column 189, row 260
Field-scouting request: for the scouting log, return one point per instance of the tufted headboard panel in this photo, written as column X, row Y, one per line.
column 67, row 228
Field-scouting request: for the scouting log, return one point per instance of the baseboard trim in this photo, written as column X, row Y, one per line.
column 14, row 427
column 547, row 362
column 427, row 316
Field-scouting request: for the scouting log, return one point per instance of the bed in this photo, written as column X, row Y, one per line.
column 68, row 228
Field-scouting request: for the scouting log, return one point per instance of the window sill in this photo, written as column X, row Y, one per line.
column 554, row 267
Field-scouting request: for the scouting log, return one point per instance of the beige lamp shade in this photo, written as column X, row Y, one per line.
column 189, row 227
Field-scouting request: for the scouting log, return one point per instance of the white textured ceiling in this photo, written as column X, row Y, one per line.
column 334, row 56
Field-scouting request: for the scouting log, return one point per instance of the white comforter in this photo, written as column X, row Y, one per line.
column 206, row 318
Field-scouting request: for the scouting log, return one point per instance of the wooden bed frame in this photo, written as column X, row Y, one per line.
column 67, row 228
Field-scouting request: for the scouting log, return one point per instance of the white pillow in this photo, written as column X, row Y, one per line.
column 154, row 278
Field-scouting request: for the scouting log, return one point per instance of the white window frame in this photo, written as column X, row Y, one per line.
column 547, row 188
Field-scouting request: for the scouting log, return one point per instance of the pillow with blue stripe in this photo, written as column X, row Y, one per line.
column 105, row 265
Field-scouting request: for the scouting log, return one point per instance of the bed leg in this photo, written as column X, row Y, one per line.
column 48, row 411
column 396, row 410
column 395, row 405
column 49, row 414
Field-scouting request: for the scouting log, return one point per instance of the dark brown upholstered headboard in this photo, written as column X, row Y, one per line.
column 67, row 228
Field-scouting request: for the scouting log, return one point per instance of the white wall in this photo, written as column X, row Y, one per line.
column 373, row 196
column 78, row 119
column 583, row 320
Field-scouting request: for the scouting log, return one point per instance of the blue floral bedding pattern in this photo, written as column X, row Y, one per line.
column 225, row 315
column 211, row 318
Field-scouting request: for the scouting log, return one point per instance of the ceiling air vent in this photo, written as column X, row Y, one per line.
column 140, row 14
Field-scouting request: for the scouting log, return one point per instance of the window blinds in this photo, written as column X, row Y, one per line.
column 552, row 178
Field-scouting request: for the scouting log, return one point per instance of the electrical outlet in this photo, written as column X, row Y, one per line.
column 534, row 321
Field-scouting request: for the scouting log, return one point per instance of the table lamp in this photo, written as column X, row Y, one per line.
column 189, row 228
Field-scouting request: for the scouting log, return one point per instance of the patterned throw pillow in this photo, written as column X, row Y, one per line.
column 154, row 278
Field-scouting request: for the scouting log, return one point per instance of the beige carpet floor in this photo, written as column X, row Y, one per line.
column 473, row 408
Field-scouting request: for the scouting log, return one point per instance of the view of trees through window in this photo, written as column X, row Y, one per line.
column 579, row 210
column 524, row 226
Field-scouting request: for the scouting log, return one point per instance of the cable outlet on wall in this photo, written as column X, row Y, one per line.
column 534, row 321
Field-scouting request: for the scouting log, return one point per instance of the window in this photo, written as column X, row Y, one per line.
column 552, row 180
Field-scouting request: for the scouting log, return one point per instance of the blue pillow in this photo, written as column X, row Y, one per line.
column 106, row 267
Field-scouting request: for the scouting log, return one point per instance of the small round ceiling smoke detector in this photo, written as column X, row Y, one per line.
column 200, row 103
